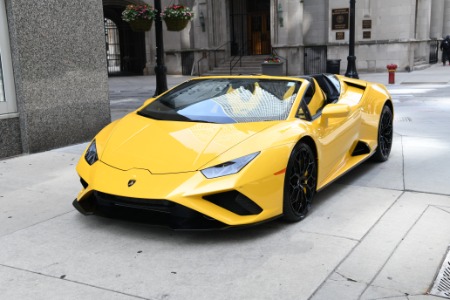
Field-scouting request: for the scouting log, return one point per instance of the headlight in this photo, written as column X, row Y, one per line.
column 91, row 153
column 228, row 168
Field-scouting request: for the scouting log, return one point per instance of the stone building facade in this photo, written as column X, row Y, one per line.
column 404, row 32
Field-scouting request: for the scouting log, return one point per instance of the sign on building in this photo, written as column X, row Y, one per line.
column 340, row 18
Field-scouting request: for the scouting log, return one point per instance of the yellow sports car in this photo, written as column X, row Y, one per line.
column 224, row 151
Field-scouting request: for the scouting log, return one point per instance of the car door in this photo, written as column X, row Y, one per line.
column 337, row 127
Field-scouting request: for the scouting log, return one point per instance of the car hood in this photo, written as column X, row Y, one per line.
column 171, row 147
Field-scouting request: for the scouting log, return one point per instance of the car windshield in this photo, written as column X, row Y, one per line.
column 226, row 100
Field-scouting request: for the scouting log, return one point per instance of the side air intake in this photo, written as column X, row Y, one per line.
column 361, row 149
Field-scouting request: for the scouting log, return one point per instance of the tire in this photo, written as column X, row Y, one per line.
column 385, row 135
column 299, row 183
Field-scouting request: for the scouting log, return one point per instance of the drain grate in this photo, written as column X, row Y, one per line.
column 441, row 285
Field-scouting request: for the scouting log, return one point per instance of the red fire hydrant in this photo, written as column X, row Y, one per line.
column 391, row 70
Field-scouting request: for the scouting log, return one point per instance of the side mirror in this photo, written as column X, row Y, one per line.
column 334, row 111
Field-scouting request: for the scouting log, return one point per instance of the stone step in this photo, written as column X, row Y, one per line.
column 247, row 65
column 422, row 66
column 419, row 64
column 236, row 71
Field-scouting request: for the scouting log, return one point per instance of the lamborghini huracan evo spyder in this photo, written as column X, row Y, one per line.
column 224, row 151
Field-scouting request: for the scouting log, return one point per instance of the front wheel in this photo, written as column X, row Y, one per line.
column 385, row 135
column 299, row 183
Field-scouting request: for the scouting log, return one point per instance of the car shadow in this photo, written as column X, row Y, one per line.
column 145, row 225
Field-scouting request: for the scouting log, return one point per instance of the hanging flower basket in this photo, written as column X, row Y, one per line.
column 176, row 24
column 140, row 17
column 141, row 25
column 177, row 17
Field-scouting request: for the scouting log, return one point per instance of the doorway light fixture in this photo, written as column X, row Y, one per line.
column 280, row 15
column 201, row 18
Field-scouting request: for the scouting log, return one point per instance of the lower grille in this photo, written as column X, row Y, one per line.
column 145, row 204
column 235, row 202
column 150, row 211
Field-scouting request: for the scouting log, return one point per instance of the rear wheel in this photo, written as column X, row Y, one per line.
column 299, row 183
column 385, row 135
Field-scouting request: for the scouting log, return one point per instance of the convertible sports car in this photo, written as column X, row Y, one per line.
column 224, row 151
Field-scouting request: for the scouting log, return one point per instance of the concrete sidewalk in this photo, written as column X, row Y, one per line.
column 380, row 232
column 144, row 86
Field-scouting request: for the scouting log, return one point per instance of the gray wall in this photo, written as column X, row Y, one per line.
column 10, row 143
column 59, row 63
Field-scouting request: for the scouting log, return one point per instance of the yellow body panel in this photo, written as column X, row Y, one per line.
column 165, row 157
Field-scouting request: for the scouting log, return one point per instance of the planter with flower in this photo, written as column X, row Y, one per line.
column 140, row 17
column 272, row 65
column 177, row 17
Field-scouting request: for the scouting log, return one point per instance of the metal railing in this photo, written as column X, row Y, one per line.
column 315, row 60
column 434, row 51
column 206, row 55
column 235, row 59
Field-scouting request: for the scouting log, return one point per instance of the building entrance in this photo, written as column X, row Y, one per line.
column 125, row 49
column 250, row 23
column 259, row 33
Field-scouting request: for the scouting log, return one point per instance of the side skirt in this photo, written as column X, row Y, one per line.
column 346, row 171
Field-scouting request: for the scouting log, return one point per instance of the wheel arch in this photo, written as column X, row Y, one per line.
column 389, row 103
column 310, row 142
column 300, row 181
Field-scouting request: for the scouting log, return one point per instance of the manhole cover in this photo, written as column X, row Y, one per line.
column 441, row 285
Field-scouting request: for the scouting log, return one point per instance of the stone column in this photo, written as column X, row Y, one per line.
column 423, row 20
column 446, row 25
column 295, row 18
column 59, row 62
column 216, row 22
column 287, row 32
column 437, row 19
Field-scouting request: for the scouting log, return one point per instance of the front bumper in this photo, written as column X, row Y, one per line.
column 252, row 196
column 164, row 213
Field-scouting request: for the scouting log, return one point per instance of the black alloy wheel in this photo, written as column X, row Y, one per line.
column 299, row 183
column 385, row 135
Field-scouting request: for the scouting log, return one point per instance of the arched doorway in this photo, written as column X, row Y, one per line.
column 250, row 23
column 125, row 49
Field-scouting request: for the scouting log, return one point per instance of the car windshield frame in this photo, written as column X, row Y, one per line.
column 226, row 100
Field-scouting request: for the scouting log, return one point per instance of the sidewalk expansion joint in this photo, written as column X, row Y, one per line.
column 64, row 277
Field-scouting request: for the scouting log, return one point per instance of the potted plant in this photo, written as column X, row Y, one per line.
column 140, row 17
column 272, row 65
column 177, row 17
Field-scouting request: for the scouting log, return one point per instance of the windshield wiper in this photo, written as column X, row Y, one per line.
column 201, row 121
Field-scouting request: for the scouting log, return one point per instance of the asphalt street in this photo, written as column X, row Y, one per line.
column 380, row 232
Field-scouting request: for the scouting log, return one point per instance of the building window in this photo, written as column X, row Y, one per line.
column 112, row 47
column 8, row 106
